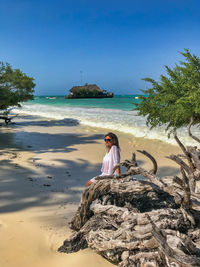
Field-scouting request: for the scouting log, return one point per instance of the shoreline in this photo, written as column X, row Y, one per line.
column 44, row 167
column 107, row 118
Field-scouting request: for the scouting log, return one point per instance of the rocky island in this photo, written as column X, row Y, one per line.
column 88, row 91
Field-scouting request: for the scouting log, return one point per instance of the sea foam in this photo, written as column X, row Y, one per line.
column 112, row 119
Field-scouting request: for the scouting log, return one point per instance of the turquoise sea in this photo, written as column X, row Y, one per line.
column 123, row 102
column 115, row 113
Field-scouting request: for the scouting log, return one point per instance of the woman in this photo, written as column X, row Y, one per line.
column 111, row 158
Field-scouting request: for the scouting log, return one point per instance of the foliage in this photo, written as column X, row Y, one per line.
column 15, row 86
column 85, row 92
column 176, row 98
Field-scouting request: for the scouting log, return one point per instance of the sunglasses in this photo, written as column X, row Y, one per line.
column 107, row 140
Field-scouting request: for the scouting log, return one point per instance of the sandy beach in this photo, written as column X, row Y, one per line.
column 44, row 166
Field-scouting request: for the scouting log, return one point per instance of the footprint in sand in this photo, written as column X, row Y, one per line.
column 32, row 179
column 2, row 224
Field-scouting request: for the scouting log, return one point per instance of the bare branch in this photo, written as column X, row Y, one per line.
column 189, row 130
column 193, row 152
column 113, row 176
column 180, row 162
column 188, row 156
column 133, row 161
column 127, row 164
column 155, row 165
column 151, row 177
column 186, row 187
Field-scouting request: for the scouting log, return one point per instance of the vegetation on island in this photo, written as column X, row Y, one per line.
column 88, row 91
column 174, row 101
column 15, row 87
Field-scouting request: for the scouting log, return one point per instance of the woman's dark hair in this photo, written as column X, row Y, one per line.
column 114, row 138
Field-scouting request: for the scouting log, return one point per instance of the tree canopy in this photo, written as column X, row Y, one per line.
column 175, row 99
column 15, row 86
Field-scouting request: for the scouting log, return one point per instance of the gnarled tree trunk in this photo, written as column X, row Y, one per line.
column 147, row 222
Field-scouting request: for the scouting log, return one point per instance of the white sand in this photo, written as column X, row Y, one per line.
column 44, row 167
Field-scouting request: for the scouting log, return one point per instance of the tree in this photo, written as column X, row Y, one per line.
column 15, row 86
column 175, row 100
column 151, row 222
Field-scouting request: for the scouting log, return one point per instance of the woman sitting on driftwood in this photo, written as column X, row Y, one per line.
column 111, row 158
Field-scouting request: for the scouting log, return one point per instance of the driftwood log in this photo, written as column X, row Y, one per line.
column 145, row 222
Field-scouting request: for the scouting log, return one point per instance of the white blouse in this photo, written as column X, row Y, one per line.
column 110, row 160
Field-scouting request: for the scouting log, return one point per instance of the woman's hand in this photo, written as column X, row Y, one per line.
column 118, row 171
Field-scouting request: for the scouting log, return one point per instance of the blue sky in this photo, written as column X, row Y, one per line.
column 113, row 43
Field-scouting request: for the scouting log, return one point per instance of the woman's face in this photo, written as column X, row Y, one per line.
column 108, row 141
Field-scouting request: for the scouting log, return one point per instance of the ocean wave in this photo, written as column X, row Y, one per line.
column 112, row 119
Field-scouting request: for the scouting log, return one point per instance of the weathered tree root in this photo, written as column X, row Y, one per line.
column 140, row 223
column 129, row 228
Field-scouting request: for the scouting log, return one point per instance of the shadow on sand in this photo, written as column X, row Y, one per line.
column 21, row 188
column 42, row 191
column 37, row 121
